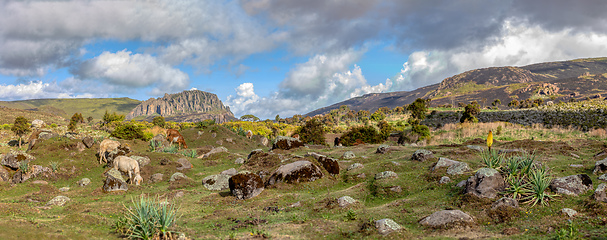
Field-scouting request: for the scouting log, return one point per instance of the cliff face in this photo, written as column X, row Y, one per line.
column 191, row 103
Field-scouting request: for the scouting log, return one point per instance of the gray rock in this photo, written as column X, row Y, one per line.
column 84, row 182
column 261, row 140
column 603, row 177
column 4, row 175
column 239, row 161
column 385, row 174
column 355, row 166
column 33, row 171
column 160, row 141
column 114, row 181
column 177, row 176
column 88, row 142
column 444, row 180
column 143, row 161
column 486, row 183
column 386, row 226
column 58, row 201
column 64, row 189
column 422, row 155
column 184, row 164
column 568, row 212
column 14, row 158
column 600, row 166
column 396, row 189
column 329, row 164
column 475, row 147
column 458, row 169
column 245, row 185
column 348, row 155
column 230, row 172
column 505, row 201
column 156, row 177
column 576, row 165
column 286, row 143
column 382, row 149
column 447, row 219
column 214, row 151
column 443, row 162
column 461, row 184
column 362, row 175
column 256, row 151
column 41, row 182
column 216, row 182
column 45, row 135
column 300, row 171
column 345, row 201
column 600, row 194
column 38, row 123
column 572, row 185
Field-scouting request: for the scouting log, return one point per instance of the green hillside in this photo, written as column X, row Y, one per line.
column 94, row 107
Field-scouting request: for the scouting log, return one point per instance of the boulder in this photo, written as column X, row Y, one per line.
column 444, row 180
column 329, row 164
column 569, row 212
column 4, row 174
column 256, row 151
column 300, row 171
column 156, row 177
column 600, row 194
column 213, row 151
column 443, row 162
column 183, row 164
column 114, row 181
column 83, row 182
column 422, row 155
column 286, row 143
column 505, row 202
column 386, row 226
column 88, row 142
column 239, row 161
column 600, row 166
column 261, row 140
column 142, row 160
column 348, row 155
column 177, row 176
column 458, row 169
column 216, row 182
column 461, row 184
column 64, row 189
column 355, row 166
column 38, row 124
column 45, row 135
column 396, row 189
column 345, row 201
column 572, row 185
column 230, row 172
column 486, row 183
column 58, row 201
column 245, row 185
column 447, row 219
column 385, row 174
column 382, row 149
column 14, row 159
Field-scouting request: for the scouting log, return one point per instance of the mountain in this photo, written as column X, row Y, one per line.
column 557, row 81
column 190, row 106
column 66, row 107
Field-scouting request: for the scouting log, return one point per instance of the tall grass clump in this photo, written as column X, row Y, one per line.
column 148, row 219
column 539, row 181
column 170, row 149
column 189, row 153
column 492, row 159
column 527, row 180
column 24, row 166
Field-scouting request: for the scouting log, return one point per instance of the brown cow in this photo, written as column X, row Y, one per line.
column 174, row 136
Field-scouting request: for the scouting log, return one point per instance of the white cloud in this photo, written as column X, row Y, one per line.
column 133, row 70
column 37, row 90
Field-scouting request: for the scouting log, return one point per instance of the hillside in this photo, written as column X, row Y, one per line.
column 557, row 81
column 94, row 107
column 190, row 106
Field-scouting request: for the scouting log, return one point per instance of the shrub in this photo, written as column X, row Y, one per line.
column 365, row 134
column 112, row 117
column 128, row 131
column 378, row 116
column 312, row 132
column 76, row 118
column 24, row 166
column 470, row 112
column 54, row 165
column 158, row 121
column 385, row 129
column 205, row 123
column 422, row 130
column 21, row 127
column 418, row 108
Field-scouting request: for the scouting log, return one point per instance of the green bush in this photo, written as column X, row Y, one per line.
column 422, row 130
column 128, row 131
column 205, row 123
column 470, row 112
column 112, row 117
column 312, row 132
column 366, row 134
column 158, row 121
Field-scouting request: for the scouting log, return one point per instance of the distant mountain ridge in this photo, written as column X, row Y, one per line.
column 557, row 81
column 191, row 106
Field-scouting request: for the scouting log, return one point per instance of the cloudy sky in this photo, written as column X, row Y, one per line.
column 286, row 57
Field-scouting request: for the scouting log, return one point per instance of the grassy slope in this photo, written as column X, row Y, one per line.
column 65, row 108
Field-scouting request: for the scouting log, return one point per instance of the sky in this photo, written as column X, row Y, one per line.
column 278, row 57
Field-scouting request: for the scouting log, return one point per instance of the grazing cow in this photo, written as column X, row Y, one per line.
column 129, row 166
column 295, row 136
column 174, row 136
column 107, row 145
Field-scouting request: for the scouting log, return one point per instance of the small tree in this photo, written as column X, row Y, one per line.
column 112, row 117
column 277, row 118
column 312, row 132
column 249, row 117
column 158, row 121
column 378, row 116
column 418, row 108
column 470, row 112
column 89, row 119
column 20, row 127
column 496, row 102
column 76, row 118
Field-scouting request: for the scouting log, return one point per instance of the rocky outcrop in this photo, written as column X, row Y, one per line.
column 300, row 171
column 572, row 185
column 188, row 104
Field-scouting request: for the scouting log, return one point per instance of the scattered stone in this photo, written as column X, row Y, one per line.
column 216, row 182
column 297, row 204
column 156, row 177
column 486, row 183
column 600, row 194
column 603, row 177
column 458, row 169
column 219, row 142
column 239, row 161
column 572, row 185
column 362, row 175
column 44, row 135
column 382, row 149
column 88, row 142
column 475, row 147
column 58, row 201
column 396, row 189
column 160, row 141
column 114, row 181
column 213, row 135
column 214, row 151
column 345, row 201
column 461, row 184
column 64, row 189
column 422, row 155
column 40, row 182
column 286, row 143
column 576, row 165
column 600, row 166
column 348, row 155
column 32, row 172
column 4, row 175
column 505, row 201
column 38, row 123
column 177, row 176
column 300, row 171
column 444, row 180
column 256, row 151
column 386, row 174
column 230, row 172
column 443, row 162
column 355, row 166
column 569, row 212
column 395, row 163
column 245, row 185
column 574, row 155
column 261, row 140
column 184, row 164
column 84, row 182
column 447, row 219
column 386, row 226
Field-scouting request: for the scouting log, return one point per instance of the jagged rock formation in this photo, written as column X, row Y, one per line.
column 192, row 105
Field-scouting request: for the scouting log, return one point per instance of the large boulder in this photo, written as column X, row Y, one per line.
column 348, row 155
column 458, row 168
column 386, row 226
column 300, row 171
column 286, row 143
column 486, row 183
column 443, row 162
column 600, row 166
column 600, row 194
column 245, row 185
column 382, row 149
column 447, row 219
column 329, row 164
column 114, row 181
column 572, row 185
column 422, row 155
column 216, row 182
column 13, row 159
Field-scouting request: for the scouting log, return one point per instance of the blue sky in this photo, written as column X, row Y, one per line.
column 286, row 57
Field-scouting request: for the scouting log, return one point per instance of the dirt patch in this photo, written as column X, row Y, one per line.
column 263, row 161
column 181, row 183
column 476, row 141
column 544, row 147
